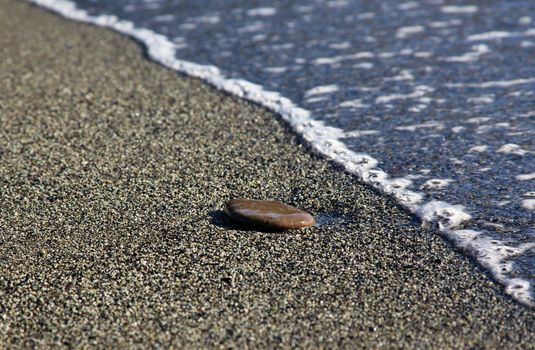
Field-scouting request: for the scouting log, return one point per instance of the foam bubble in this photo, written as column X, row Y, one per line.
column 512, row 148
column 404, row 32
column 436, row 184
column 262, row 11
column 324, row 89
column 478, row 148
column 526, row 177
column 468, row 9
column 528, row 204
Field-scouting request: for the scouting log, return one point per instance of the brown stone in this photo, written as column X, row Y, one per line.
column 270, row 214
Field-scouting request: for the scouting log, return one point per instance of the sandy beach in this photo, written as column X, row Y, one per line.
column 113, row 174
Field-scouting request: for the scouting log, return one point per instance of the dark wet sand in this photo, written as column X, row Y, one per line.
column 113, row 171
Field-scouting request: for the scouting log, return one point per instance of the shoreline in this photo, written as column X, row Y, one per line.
column 450, row 218
column 114, row 172
column 453, row 219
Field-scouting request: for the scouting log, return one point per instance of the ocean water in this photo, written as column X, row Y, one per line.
column 430, row 101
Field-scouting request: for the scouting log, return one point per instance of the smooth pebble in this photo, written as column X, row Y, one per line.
column 270, row 214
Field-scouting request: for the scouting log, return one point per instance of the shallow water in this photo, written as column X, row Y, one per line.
column 430, row 101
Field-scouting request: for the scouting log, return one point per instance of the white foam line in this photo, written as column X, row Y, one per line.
column 478, row 51
column 324, row 139
column 496, row 35
column 404, row 32
column 262, row 11
column 337, row 59
column 491, row 84
column 419, row 91
column 324, row 89
column 459, row 9
column 526, row 177
column 494, row 256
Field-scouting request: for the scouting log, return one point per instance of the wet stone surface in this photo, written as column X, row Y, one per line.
column 268, row 214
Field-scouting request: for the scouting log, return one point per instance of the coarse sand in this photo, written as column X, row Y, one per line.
column 113, row 174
